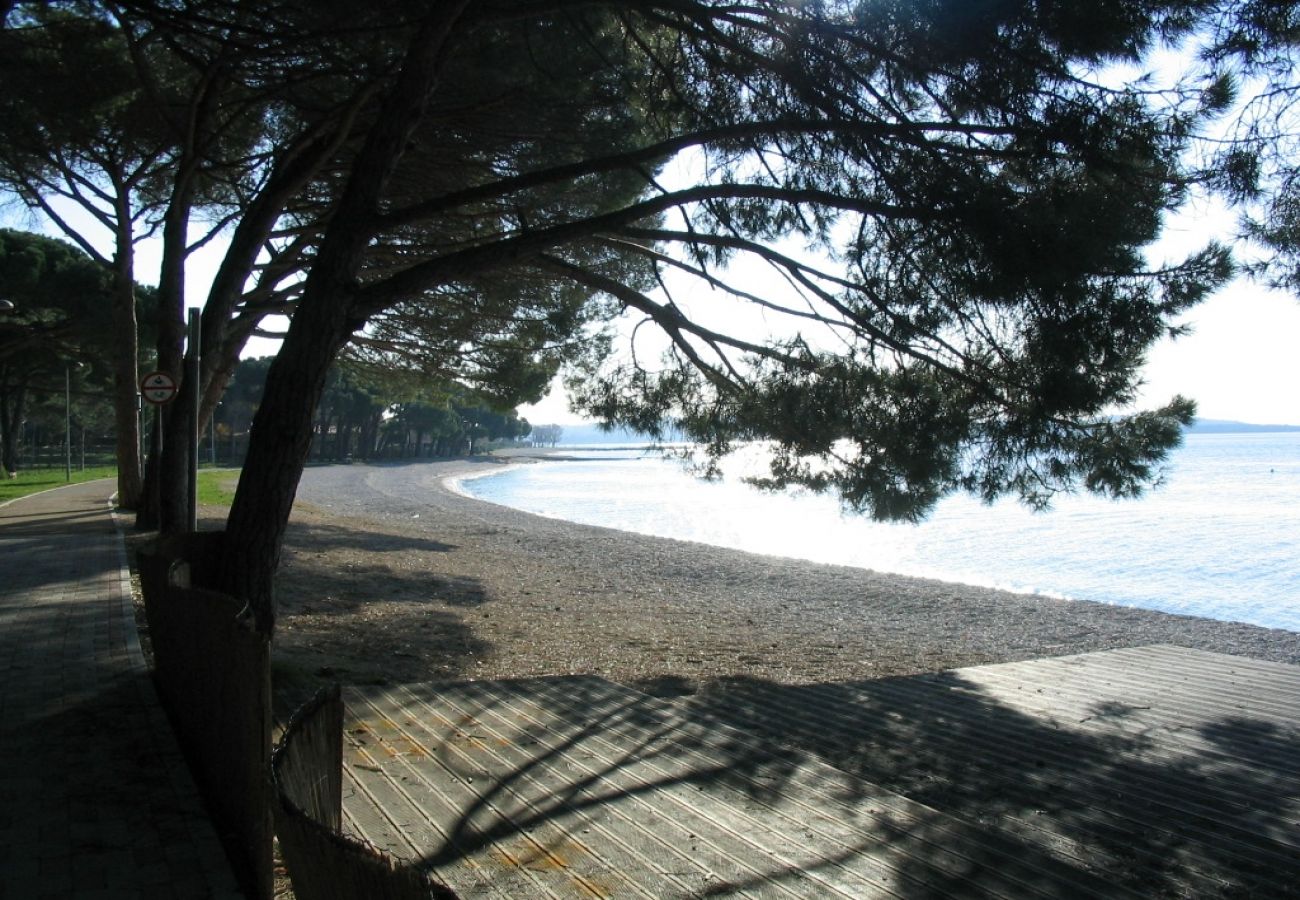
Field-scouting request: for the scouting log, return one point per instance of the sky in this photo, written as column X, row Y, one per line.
column 1241, row 362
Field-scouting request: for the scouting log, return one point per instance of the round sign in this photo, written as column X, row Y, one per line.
column 158, row 387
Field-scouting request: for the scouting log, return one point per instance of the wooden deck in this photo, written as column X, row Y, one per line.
column 1153, row 771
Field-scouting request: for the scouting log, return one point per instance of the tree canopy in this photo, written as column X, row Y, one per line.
column 951, row 200
column 1251, row 46
column 94, row 144
column 60, row 324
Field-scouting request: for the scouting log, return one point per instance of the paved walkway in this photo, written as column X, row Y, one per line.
column 95, row 799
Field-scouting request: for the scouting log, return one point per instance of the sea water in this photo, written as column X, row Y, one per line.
column 1220, row 539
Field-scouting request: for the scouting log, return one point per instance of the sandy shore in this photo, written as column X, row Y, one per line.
column 389, row 576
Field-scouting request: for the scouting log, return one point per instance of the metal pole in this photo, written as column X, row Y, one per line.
column 212, row 438
column 67, row 421
column 192, row 387
column 155, row 454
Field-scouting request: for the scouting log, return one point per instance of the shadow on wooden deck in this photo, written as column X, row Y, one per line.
column 1154, row 772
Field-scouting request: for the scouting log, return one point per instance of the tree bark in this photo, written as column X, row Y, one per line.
column 279, row 445
column 12, row 399
column 173, row 462
column 324, row 321
column 126, row 371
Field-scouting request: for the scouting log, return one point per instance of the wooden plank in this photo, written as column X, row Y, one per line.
column 1214, row 681
column 959, row 852
column 661, row 788
column 1145, row 770
column 714, row 828
column 390, row 817
column 1075, row 708
column 457, row 795
column 1052, row 770
column 1193, row 716
column 605, row 783
column 1158, row 797
column 972, row 747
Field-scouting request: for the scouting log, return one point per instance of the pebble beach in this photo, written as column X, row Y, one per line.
column 390, row 576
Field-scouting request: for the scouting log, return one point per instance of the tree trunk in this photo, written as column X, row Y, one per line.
column 370, row 437
column 173, row 463
column 339, row 442
column 282, row 429
column 11, row 419
column 126, row 373
column 349, row 433
column 279, row 446
column 147, row 515
column 163, row 505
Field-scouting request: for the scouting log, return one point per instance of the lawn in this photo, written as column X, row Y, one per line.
column 35, row 480
column 216, row 486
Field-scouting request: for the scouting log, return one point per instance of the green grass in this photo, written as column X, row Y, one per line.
column 217, row 486
column 36, row 480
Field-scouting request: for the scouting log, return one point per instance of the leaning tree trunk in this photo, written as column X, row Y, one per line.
column 178, row 416
column 172, row 468
column 278, row 449
column 281, row 438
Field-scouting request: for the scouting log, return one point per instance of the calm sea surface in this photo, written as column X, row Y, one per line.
column 1220, row 539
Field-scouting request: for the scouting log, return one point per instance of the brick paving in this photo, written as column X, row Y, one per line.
column 95, row 798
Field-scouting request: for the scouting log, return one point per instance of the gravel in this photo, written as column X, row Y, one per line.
column 389, row 576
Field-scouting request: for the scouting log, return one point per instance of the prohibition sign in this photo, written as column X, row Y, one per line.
column 158, row 388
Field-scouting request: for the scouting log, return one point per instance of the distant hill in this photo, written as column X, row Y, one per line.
column 592, row 435
column 1225, row 426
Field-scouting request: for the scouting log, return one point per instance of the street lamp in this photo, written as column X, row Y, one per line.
column 67, row 421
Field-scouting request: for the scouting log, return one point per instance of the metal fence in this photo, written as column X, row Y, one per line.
column 79, row 455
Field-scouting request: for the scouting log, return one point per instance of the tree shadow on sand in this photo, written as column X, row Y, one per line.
column 321, row 538
column 919, row 786
column 372, row 623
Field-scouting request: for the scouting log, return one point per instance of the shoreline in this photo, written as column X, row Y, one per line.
column 1161, row 585
column 389, row 576
column 453, row 484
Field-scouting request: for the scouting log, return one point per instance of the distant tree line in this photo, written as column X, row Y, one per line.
column 365, row 415
column 56, row 346
column 57, row 377
column 546, row 435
